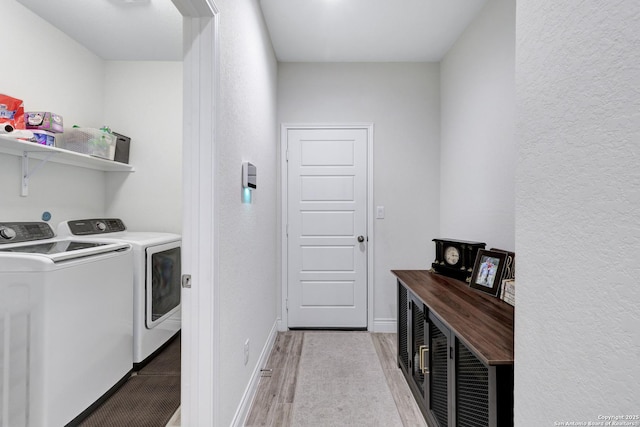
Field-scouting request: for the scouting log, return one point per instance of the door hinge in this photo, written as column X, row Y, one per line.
column 286, row 304
column 450, row 352
column 286, row 155
column 287, row 231
column 186, row 281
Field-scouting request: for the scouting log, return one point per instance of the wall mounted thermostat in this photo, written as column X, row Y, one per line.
column 249, row 173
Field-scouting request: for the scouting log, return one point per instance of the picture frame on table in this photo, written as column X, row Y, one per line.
column 488, row 271
column 510, row 266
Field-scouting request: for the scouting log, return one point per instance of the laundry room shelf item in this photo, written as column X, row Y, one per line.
column 29, row 150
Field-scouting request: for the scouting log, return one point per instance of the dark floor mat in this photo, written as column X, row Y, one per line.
column 165, row 363
column 143, row 401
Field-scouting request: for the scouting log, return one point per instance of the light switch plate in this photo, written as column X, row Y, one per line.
column 379, row 212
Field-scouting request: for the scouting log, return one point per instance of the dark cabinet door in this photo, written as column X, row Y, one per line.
column 419, row 347
column 403, row 328
column 463, row 391
column 472, row 389
column 413, row 333
column 440, row 373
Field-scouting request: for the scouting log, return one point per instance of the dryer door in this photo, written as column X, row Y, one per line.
column 162, row 284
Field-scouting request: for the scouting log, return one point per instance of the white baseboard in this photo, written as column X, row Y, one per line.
column 385, row 325
column 245, row 404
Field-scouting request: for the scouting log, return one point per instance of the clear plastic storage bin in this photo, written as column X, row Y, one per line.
column 93, row 142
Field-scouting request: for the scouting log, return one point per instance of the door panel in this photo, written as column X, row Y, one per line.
column 327, row 258
column 325, row 153
column 328, row 223
column 327, row 211
column 327, row 188
column 327, row 293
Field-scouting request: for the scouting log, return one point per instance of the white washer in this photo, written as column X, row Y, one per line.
column 65, row 324
column 156, row 274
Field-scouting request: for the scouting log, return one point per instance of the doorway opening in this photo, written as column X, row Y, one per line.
column 327, row 226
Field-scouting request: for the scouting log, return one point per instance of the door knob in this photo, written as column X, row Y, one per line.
column 360, row 239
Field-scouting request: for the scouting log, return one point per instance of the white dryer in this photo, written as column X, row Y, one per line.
column 156, row 276
column 65, row 324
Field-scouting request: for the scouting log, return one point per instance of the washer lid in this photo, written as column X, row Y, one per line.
column 63, row 250
column 54, row 247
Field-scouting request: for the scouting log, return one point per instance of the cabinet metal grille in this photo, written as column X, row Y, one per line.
column 418, row 341
column 439, row 390
column 403, row 349
column 472, row 390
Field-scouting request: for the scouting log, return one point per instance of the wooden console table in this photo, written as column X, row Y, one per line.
column 455, row 348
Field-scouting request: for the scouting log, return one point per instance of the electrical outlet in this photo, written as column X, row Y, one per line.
column 246, row 351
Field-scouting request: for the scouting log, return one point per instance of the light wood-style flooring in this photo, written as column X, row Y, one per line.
column 273, row 402
column 175, row 419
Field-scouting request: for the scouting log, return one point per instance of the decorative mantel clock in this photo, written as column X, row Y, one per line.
column 455, row 258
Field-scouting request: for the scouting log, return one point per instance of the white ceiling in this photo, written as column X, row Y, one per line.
column 117, row 29
column 301, row 30
column 366, row 30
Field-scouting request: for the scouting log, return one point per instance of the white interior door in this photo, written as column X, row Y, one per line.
column 327, row 228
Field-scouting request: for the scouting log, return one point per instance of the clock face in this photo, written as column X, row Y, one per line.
column 451, row 255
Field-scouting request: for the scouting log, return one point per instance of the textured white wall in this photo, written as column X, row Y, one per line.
column 248, row 240
column 49, row 72
column 143, row 100
column 402, row 101
column 578, row 198
column 478, row 148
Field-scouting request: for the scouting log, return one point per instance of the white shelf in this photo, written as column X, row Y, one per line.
column 32, row 151
column 18, row 148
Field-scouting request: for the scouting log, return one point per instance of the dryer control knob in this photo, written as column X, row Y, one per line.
column 7, row 233
column 101, row 226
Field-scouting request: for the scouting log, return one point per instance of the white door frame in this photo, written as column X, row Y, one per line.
column 200, row 325
column 284, row 128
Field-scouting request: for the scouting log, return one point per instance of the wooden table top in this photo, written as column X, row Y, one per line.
column 482, row 322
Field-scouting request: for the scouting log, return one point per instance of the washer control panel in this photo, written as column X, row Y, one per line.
column 84, row 227
column 16, row 232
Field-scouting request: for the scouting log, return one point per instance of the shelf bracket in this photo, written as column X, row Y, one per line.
column 26, row 173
